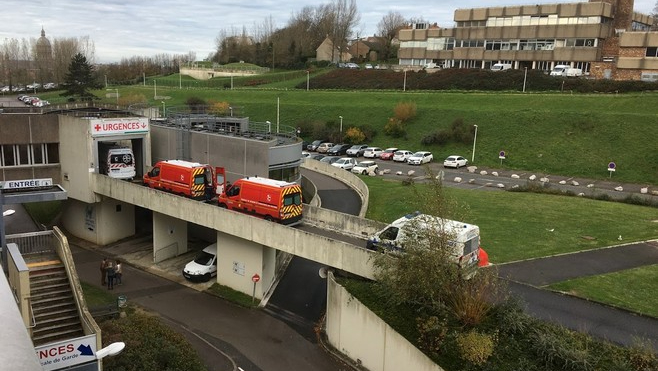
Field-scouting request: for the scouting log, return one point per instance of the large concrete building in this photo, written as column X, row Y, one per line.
column 606, row 39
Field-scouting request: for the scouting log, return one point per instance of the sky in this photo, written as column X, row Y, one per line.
column 123, row 29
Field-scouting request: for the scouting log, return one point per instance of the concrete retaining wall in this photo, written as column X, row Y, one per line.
column 362, row 336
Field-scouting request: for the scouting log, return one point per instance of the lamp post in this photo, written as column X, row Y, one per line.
column 525, row 76
column 307, row 79
column 110, row 350
column 341, row 124
column 164, row 109
column 230, row 108
column 475, row 137
column 404, row 84
column 269, row 126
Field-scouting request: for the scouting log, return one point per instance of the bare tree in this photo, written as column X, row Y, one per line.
column 345, row 16
column 388, row 29
column 654, row 14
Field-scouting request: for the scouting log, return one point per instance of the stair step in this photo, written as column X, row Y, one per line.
column 49, row 286
column 60, row 320
column 47, row 299
column 40, row 330
column 54, row 307
column 45, row 271
column 56, row 336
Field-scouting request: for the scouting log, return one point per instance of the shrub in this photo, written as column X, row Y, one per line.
column 470, row 300
column 475, row 347
column 560, row 350
column 394, row 128
column 354, row 136
column 437, row 137
column 196, row 104
column 368, row 131
column 219, row 108
column 150, row 345
column 432, row 332
column 405, row 111
column 642, row 356
column 462, row 133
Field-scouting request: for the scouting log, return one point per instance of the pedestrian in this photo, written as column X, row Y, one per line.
column 104, row 272
column 110, row 275
column 118, row 272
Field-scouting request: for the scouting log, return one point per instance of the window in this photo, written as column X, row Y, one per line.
column 29, row 154
column 652, row 51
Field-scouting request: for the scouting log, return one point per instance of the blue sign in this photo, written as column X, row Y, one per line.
column 501, row 154
column 611, row 166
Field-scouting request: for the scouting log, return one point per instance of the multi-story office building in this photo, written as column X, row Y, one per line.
column 606, row 39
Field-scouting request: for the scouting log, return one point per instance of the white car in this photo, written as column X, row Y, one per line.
column 346, row 163
column 365, row 167
column 455, row 161
column 372, row 152
column 420, row 157
column 204, row 265
column 324, row 147
column 306, row 154
column 402, row 155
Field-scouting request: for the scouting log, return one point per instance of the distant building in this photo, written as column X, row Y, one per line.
column 43, row 59
column 605, row 38
column 366, row 49
column 328, row 52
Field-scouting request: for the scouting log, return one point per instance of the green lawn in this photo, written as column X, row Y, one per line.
column 516, row 225
column 571, row 135
column 632, row 289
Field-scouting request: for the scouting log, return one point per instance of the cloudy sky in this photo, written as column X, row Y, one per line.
column 120, row 28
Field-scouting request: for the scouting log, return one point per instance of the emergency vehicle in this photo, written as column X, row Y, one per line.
column 189, row 179
column 116, row 161
column 463, row 238
column 271, row 199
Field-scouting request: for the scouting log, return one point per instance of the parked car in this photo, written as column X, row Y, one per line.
column 306, row 154
column 420, row 157
column 346, row 163
column 402, row 155
column 388, row 154
column 329, row 159
column 365, row 167
column 352, row 66
column 339, row 150
column 204, row 265
column 324, row 147
column 455, row 161
column 356, row 150
column 317, row 156
column 368, row 66
column 372, row 152
column 314, row 145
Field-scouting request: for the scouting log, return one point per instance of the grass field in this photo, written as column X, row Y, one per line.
column 516, row 226
column 631, row 289
column 571, row 135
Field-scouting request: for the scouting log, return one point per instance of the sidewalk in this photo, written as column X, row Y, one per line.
column 225, row 335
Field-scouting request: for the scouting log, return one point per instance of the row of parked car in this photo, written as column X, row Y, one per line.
column 387, row 154
column 30, row 87
column 33, row 101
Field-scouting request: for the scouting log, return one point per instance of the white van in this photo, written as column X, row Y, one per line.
column 464, row 238
column 204, row 265
column 116, row 161
column 566, row 70
column 501, row 67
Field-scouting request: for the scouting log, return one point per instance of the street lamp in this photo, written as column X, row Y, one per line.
column 475, row 137
column 404, row 84
column 110, row 350
column 269, row 126
column 116, row 94
column 341, row 124
column 525, row 76
column 307, row 79
column 164, row 109
column 231, row 109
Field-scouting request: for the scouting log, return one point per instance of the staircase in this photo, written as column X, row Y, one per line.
column 55, row 311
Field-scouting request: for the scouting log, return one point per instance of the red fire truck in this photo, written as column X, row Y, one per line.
column 189, row 179
column 267, row 198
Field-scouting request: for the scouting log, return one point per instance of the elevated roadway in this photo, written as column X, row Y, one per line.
column 303, row 243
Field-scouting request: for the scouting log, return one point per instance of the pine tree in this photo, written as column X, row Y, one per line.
column 80, row 79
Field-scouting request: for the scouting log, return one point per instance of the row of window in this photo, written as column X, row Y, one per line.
column 446, row 43
column 29, row 154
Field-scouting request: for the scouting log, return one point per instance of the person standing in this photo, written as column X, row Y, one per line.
column 110, row 275
column 104, row 271
column 118, row 272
